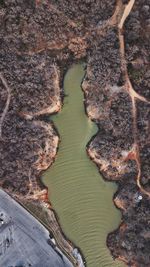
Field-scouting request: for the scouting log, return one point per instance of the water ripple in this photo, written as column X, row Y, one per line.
column 81, row 198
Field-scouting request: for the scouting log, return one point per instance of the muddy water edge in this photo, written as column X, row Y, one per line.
column 79, row 195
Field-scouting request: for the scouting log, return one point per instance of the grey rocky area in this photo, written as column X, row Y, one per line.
column 24, row 241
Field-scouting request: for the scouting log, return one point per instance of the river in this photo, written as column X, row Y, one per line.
column 79, row 195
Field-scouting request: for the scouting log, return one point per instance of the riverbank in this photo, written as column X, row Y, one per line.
column 38, row 40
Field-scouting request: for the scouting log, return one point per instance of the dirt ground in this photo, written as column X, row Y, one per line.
column 38, row 42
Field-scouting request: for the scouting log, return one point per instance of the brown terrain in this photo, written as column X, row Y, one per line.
column 38, row 42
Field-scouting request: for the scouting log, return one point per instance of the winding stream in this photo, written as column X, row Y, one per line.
column 79, row 195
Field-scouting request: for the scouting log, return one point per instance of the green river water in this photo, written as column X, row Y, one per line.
column 79, row 195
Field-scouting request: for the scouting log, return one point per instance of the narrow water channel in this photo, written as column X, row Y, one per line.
column 79, row 195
